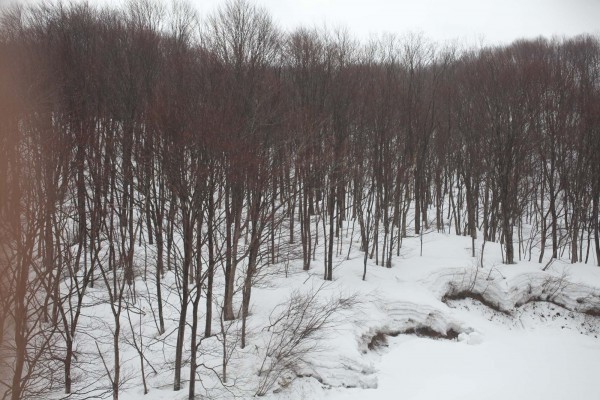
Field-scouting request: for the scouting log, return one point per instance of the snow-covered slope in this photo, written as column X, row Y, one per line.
column 438, row 325
column 441, row 326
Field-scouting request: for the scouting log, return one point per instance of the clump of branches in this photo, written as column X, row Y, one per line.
column 296, row 329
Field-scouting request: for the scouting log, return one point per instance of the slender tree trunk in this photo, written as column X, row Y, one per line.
column 596, row 224
column 117, row 360
column 329, row 269
column 68, row 360
column 211, row 264
column 187, row 258
column 194, row 332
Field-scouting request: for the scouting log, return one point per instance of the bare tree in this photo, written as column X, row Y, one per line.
column 295, row 331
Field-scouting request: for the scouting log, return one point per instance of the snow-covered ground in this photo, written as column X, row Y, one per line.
column 529, row 347
column 437, row 325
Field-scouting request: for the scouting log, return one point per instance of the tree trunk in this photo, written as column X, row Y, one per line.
column 595, row 216
column 211, row 264
column 187, row 259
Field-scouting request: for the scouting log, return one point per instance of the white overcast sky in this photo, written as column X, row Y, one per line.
column 470, row 21
column 496, row 21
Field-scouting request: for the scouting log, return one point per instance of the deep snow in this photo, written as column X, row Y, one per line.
column 535, row 338
column 530, row 348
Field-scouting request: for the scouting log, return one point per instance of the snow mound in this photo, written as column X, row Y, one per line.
column 523, row 322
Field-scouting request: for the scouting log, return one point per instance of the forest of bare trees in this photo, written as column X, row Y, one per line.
column 145, row 141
